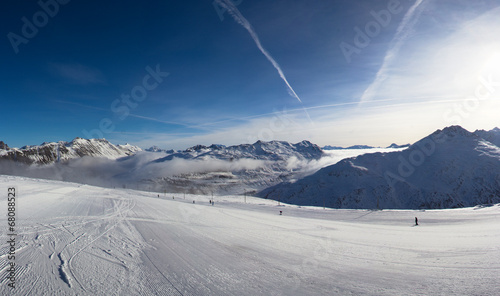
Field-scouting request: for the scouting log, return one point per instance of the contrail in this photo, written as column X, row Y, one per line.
column 239, row 18
column 400, row 37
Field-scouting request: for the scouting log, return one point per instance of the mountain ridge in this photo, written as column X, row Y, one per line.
column 272, row 150
column 449, row 168
column 50, row 152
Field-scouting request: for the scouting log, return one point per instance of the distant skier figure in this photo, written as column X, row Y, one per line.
column 416, row 221
column 281, row 212
column 210, row 201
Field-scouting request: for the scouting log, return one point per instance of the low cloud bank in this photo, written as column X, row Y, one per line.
column 129, row 171
column 304, row 168
column 135, row 171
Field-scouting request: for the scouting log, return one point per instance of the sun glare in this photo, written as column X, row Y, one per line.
column 492, row 64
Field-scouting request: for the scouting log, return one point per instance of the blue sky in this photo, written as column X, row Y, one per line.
column 180, row 73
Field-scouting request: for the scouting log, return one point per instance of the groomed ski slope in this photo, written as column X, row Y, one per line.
column 81, row 240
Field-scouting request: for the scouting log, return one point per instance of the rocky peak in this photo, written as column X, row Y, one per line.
column 4, row 146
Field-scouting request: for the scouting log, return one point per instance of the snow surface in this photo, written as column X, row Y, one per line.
column 82, row 240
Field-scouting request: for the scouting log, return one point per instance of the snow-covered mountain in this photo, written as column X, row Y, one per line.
column 394, row 145
column 158, row 149
column 233, row 169
column 47, row 153
column 273, row 150
column 200, row 169
column 450, row 168
column 492, row 136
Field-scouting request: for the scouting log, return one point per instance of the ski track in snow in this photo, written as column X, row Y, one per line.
column 82, row 240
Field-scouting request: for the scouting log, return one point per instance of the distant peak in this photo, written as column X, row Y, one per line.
column 83, row 140
column 453, row 131
column 154, row 149
column 360, row 147
column 4, row 146
column 306, row 143
column 158, row 149
column 455, row 128
column 78, row 139
column 394, row 145
column 196, row 148
column 216, row 146
column 329, row 147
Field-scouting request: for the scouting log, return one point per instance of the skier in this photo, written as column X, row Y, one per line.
column 416, row 221
column 281, row 212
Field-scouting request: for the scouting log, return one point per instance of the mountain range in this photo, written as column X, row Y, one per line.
column 199, row 169
column 393, row 145
column 47, row 153
column 272, row 151
column 233, row 169
column 448, row 169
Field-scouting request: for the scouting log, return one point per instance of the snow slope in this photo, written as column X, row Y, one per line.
column 492, row 136
column 82, row 240
column 450, row 168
